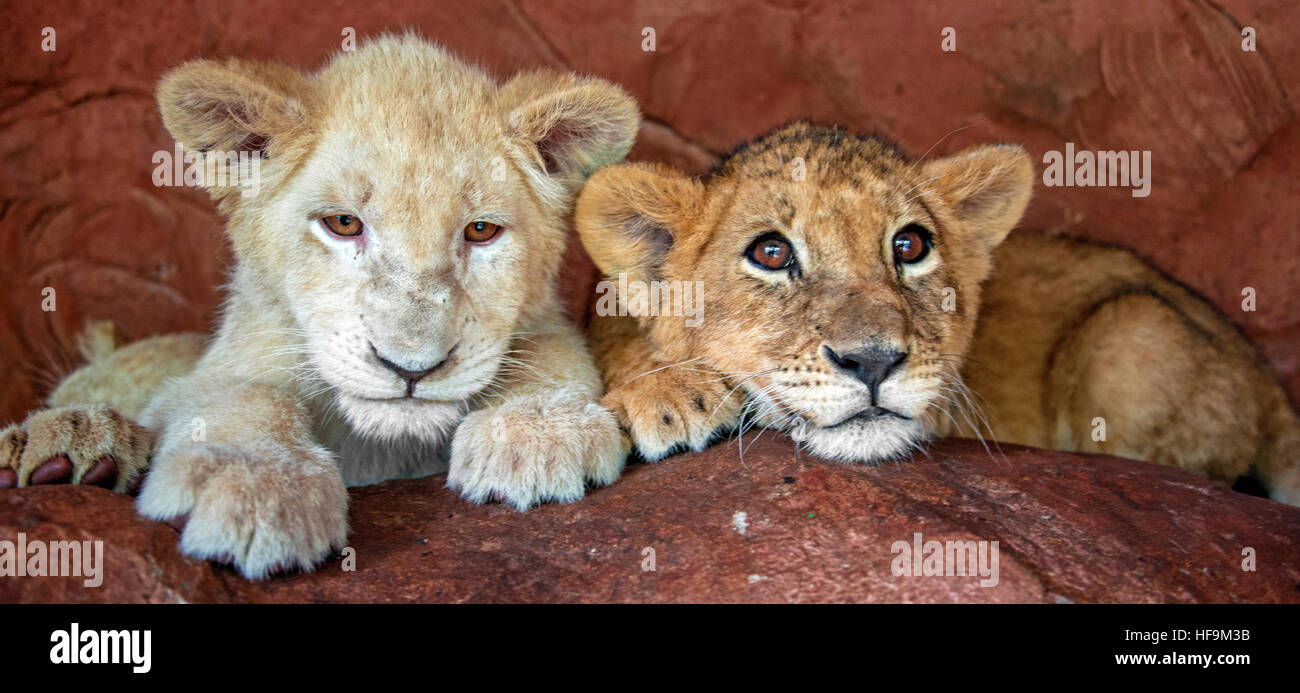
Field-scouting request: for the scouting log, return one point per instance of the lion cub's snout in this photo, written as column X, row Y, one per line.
column 411, row 376
column 863, row 360
column 870, row 364
column 409, row 327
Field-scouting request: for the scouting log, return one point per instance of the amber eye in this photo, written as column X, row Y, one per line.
column 344, row 225
column 911, row 244
column 482, row 232
column 771, row 252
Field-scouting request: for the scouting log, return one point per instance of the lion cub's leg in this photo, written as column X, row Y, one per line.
column 660, row 406
column 236, row 461
column 542, row 435
column 1139, row 378
column 89, row 435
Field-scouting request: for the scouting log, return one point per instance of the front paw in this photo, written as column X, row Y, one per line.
column 670, row 408
column 263, row 507
column 83, row 444
column 533, row 449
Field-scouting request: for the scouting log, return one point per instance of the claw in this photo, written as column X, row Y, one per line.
column 102, row 473
column 56, row 470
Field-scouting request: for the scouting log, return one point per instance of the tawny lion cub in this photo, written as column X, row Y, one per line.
column 394, row 283
column 841, row 306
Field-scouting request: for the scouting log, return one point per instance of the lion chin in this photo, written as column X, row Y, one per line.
column 862, row 440
column 392, row 419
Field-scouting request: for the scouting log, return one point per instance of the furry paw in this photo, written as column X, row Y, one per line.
column 665, row 409
column 91, row 445
column 263, row 507
column 532, row 449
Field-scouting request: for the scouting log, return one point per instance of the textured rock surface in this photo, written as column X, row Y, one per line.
column 773, row 527
column 78, row 127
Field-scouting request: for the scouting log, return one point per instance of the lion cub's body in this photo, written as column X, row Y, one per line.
column 863, row 349
column 1081, row 346
column 367, row 334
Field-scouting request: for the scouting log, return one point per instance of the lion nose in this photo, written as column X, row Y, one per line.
column 871, row 365
column 410, row 376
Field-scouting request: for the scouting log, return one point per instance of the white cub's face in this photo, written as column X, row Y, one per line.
column 414, row 222
column 418, row 264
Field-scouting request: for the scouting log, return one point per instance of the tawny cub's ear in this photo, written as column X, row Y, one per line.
column 987, row 188
column 628, row 216
column 577, row 124
column 232, row 106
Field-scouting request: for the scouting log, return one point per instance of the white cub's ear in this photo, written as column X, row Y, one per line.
column 577, row 124
column 232, row 106
column 628, row 216
column 987, row 188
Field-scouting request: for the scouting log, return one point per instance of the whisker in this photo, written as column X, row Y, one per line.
column 656, row 370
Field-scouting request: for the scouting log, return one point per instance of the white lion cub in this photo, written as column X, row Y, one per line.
column 394, row 283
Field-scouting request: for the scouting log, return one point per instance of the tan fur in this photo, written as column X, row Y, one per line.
column 1070, row 331
column 290, row 401
column 93, row 411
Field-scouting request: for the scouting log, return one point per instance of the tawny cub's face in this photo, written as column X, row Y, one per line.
column 410, row 214
column 839, row 281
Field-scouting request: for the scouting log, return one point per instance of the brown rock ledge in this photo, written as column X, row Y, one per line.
column 1070, row 527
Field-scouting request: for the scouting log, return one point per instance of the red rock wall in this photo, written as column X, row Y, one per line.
column 78, row 127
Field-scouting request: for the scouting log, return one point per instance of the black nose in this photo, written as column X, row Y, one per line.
column 411, row 377
column 871, row 365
